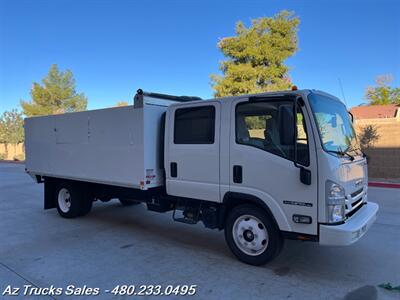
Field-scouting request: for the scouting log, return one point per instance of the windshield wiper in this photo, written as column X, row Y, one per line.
column 362, row 152
column 342, row 153
column 346, row 152
column 359, row 149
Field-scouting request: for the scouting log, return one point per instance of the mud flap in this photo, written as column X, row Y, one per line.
column 49, row 194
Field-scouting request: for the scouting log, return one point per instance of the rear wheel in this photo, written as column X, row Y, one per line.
column 69, row 198
column 252, row 236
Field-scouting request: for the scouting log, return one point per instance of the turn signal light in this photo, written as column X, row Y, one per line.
column 302, row 219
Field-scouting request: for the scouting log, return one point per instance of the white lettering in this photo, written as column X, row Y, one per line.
column 10, row 291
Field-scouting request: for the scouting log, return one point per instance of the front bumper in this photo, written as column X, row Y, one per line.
column 353, row 228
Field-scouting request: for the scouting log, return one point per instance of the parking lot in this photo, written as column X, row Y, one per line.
column 117, row 245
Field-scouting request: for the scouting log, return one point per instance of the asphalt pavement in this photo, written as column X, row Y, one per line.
column 117, row 245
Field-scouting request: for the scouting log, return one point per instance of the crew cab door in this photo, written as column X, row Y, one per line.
column 264, row 163
column 192, row 151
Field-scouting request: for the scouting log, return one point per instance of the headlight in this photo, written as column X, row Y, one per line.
column 335, row 202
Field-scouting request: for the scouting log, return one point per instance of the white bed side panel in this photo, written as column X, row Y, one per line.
column 104, row 146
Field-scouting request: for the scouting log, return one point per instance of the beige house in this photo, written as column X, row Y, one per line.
column 377, row 112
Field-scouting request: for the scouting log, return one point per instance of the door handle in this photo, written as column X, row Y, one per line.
column 174, row 169
column 237, row 174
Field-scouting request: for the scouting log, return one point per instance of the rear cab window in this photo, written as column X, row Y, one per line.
column 194, row 125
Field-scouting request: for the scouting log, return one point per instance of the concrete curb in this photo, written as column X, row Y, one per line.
column 384, row 185
column 12, row 161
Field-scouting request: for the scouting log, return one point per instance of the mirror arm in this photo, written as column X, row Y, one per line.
column 295, row 130
column 297, row 101
column 305, row 174
column 352, row 117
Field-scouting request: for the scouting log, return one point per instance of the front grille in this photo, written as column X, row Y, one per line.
column 355, row 203
column 350, row 213
column 356, row 193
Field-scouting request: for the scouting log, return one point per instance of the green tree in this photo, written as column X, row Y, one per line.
column 3, row 136
column 256, row 56
column 11, row 128
column 55, row 95
column 383, row 93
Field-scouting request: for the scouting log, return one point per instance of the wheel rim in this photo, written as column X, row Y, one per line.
column 250, row 235
column 64, row 200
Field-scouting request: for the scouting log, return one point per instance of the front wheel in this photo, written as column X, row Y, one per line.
column 252, row 236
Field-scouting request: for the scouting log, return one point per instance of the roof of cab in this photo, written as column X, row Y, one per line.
column 185, row 100
column 265, row 94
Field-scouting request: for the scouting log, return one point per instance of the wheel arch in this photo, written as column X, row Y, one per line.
column 233, row 199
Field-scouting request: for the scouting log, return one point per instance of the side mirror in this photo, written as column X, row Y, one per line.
column 305, row 176
column 351, row 117
column 286, row 125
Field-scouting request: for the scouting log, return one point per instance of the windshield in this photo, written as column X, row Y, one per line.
column 334, row 124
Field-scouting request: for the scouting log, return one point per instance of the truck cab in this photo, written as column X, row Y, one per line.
column 293, row 156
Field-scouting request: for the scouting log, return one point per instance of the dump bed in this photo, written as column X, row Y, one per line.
column 119, row 146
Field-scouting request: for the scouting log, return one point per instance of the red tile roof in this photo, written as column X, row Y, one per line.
column 375, row 111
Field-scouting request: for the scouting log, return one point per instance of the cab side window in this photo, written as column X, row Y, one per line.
column 194, row 125
column 269, row 125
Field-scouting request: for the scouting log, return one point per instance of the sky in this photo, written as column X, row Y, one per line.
column 115, row 47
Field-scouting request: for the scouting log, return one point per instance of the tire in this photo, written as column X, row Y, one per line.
column 87, row 203
column 252, row 236
column 69, row 198
column 128, row 202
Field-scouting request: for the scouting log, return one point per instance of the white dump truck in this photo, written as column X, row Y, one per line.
column 261, row 167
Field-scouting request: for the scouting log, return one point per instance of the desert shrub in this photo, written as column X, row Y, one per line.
column 2, row 156
column 368, row 136
column 19, row 157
